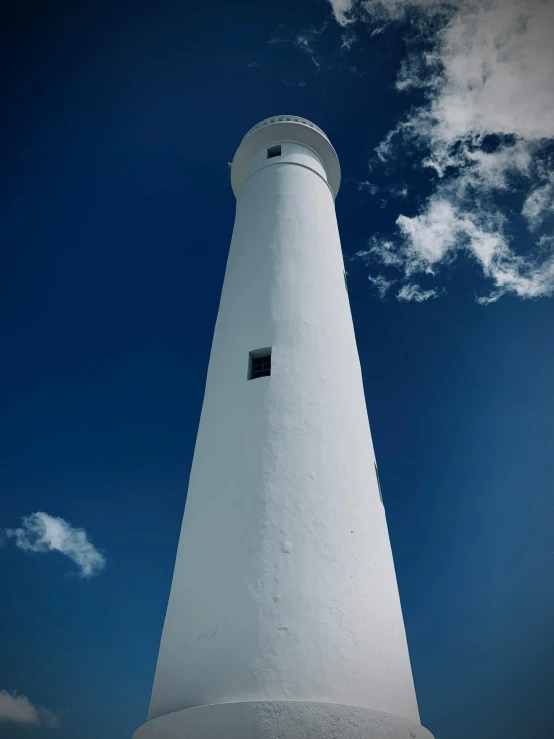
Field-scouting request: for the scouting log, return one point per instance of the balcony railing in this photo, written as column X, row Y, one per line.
column 285, row 118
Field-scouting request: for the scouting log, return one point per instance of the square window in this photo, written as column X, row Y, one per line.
column 274, row 151
column 259, row 364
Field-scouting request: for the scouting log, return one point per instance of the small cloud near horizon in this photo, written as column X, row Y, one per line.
column 41, row 533
column 18, row 709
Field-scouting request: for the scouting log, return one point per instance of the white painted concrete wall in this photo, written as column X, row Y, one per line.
column 280, row 720
column 284, row 585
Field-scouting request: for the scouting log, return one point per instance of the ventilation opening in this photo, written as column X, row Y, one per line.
column 259, row 364
column 274, row 151
column 378, row 481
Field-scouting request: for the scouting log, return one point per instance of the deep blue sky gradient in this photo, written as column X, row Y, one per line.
column 116, row 216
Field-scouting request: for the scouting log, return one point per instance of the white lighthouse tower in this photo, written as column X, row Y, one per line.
column 284, row 619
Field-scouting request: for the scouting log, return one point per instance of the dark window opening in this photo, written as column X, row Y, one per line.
column 260, row 364
column 274, row 151
column 378, row 481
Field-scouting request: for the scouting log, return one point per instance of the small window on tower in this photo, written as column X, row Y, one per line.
column 260, row 364
column 274, row 151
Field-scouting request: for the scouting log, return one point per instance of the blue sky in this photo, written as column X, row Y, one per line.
column 116, row 216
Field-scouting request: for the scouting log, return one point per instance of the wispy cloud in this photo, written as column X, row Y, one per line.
column 381, row 284
column 485, row 131
column 18, row 709
column 383, row 12
column 303, row 41
column 292, row 83
column 411, row 292
column 391, row 191
column 539, row 203
column 348, row 39
column 40, row 533
column 384, row 253
column 367, row 186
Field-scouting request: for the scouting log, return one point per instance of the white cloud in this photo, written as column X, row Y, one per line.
column 348, row 39
column 498, row 58
column 382, row 251
column 381, row 284
column 347, row 11
column 18, row 709
column 436, row 236
column 342, row 11
column 441, row 233
column 539, row 203
column 429, row 237
column 411, row 292
column 41, row 532
column 392, row 191
column 292, row 83
column 304, row 41
column 366, row 185
column 485, row 128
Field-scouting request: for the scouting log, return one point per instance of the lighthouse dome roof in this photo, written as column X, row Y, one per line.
column 285, row 128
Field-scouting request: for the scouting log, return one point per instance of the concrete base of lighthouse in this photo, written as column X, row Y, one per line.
column 280, row 720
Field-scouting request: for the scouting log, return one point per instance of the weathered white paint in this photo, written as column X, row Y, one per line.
column 284, row 586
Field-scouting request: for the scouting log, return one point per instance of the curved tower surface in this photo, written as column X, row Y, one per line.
column 284, row 618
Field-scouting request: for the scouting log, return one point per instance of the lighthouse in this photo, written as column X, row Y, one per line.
column 284, row 618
